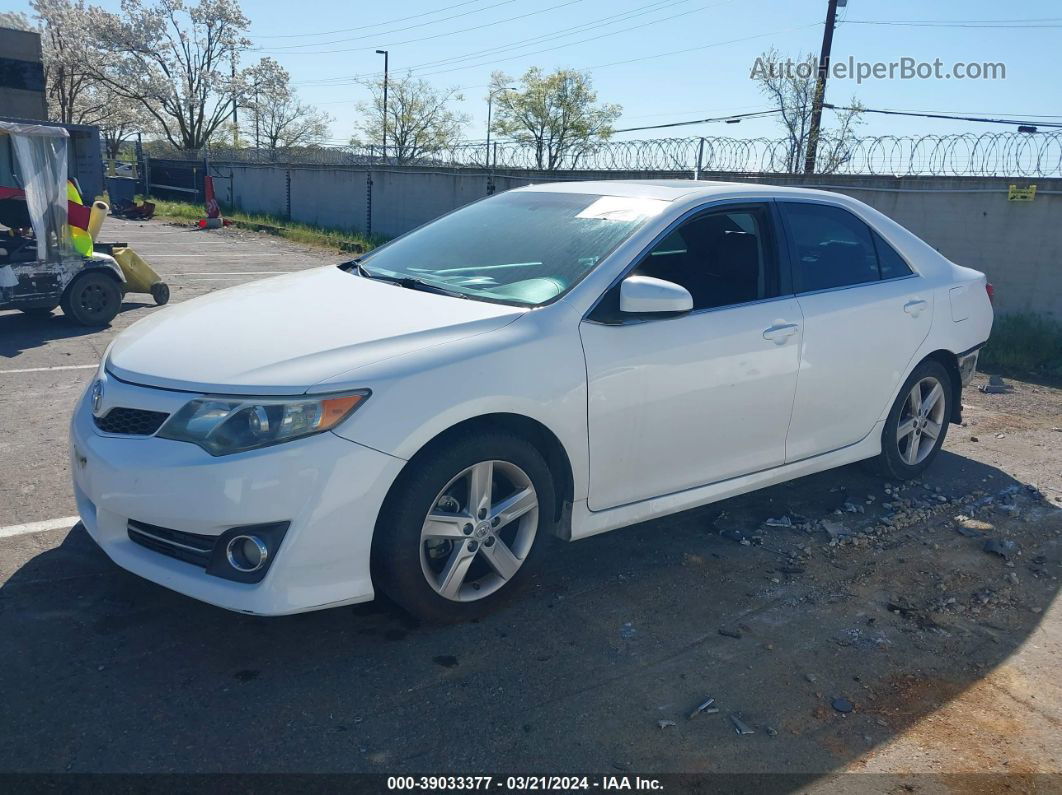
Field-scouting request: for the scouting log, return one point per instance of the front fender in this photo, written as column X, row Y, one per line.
column 527, row 368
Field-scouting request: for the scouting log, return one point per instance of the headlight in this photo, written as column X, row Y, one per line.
column 224, row 425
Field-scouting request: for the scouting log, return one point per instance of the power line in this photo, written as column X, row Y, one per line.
column 730, row 119
column 702, row 47
column 1052, row 22
column 930, row 115
column 379, row 33
column 436, row 35
column 587, row 26
column 355, row 78
column 521, row 43
column 371, row 25
column 594, row 38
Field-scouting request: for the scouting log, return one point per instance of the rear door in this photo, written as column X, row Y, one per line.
column 866, row 312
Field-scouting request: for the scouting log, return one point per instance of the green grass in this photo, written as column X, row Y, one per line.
column 337, row 239
column 1024, row 343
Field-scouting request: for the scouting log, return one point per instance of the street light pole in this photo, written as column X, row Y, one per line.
column 384, row 54
column 490, row 102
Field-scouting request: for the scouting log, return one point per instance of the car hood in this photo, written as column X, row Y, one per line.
column 282, row 335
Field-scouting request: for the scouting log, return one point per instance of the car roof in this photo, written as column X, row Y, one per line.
column 670, row 189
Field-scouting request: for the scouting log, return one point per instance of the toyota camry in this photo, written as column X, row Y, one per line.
column 560, row 359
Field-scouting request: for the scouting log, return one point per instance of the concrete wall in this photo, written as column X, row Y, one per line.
column 968, row 219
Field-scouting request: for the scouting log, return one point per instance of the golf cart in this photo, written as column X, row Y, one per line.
column 47, row 257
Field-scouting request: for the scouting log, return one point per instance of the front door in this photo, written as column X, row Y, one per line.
column 680, row 402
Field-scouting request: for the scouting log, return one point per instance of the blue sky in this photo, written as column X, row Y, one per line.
column 325, row 45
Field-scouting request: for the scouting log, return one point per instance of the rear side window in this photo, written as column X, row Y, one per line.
column 831, row 247
column 890, row 263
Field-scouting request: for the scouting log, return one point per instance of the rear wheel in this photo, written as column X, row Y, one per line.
column 916, row 426
column 92, row 299
column 463, row 526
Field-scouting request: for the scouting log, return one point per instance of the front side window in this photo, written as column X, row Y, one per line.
column 522, row 247
column 831, row 247
column 722, row 258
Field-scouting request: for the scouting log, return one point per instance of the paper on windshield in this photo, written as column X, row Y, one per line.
column 623, row 208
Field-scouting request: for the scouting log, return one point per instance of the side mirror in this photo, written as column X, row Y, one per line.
column 640, row 294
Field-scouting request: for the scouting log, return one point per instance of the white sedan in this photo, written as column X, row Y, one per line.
column 564, row 359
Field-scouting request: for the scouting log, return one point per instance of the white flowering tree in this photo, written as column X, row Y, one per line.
column 175, row 61
column 279, row 118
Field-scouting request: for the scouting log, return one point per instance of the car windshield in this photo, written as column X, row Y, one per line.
column 522, row 247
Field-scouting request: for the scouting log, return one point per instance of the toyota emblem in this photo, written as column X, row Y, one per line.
column 97, row 397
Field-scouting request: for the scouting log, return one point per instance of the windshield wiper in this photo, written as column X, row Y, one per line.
column 408, row 282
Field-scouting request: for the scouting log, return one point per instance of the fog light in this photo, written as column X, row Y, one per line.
column 246, row 553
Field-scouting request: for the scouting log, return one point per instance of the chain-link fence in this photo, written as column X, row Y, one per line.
column 991, row 154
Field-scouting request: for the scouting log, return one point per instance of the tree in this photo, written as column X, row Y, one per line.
column 69, row 59
column 175, row 61
column 420, row 119
column 16, row 20
column 791, row 86
column 280, row 119
column 557, row 114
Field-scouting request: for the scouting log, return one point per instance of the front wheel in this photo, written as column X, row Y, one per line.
column 463, row 526
column 915, row 428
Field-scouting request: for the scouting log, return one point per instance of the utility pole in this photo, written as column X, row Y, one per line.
column 820, row 86
column 384, row 54
column 257, row 110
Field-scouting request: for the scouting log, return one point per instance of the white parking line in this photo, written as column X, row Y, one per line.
column 47, row 369
column 226, row 273
column 66, row 522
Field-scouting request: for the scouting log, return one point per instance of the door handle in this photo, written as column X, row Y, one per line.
column 914, row 308
column 780, row 332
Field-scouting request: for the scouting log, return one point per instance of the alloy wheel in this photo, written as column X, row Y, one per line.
column 479, row 531
column 921, row 421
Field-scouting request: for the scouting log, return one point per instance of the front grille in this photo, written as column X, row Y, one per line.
column 131, row 422
column 189, row 547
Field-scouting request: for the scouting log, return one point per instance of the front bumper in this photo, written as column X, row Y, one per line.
column 328, row 488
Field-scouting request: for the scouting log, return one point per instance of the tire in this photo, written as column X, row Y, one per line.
column 908, row 456
column 489, row 560
column 93, row 298
column 38, row 312
column 160, row 291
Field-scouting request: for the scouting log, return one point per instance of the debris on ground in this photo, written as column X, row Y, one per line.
column 706, row 707
column 1003, row 547
column 627, row 631
column 995, row 386
column 842, row 705
column 781, row 521
column 773, row 732
column 730, row 633
column 835, row 530
column 740, row 727
column 663, row 724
